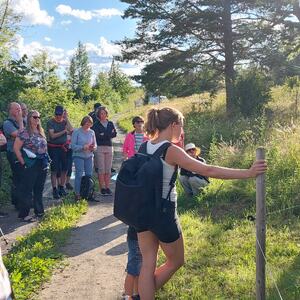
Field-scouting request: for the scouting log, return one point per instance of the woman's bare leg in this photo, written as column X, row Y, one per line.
column 148, row 244
column 174, row 253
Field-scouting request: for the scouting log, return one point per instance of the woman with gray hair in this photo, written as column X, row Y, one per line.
column 105, row 131
column 83, row 144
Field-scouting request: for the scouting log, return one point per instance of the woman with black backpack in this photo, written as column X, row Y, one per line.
column 164, row 126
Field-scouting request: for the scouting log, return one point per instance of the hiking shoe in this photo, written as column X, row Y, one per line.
column 103, row 192
column 55, row 194
column 69, row 186
column 108, row 192
column 28, row 219
column 62, row 192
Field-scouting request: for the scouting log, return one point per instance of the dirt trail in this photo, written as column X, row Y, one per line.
column 96, row 254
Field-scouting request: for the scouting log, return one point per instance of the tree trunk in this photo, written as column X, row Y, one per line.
column 229, row 59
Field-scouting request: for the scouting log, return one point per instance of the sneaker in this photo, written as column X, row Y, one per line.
column 55, row 194
column 69, row 186
column 62, row 192
column 103, row 192
column 28, row 219
column 108, row 192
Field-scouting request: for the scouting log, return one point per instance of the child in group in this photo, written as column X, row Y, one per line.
column 132, row 143
column 135, row 138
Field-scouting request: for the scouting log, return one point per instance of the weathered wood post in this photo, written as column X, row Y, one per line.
column 260, row 231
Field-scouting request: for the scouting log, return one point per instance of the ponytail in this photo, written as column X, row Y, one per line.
column 160, row 119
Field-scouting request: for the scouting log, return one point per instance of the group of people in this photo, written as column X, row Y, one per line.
column 27, row 149
column 165, row 125
column 31, row 152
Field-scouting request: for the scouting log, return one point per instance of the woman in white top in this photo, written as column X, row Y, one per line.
column 165, row 125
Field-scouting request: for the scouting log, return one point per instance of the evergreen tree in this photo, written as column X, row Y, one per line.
column 219, row 34
column 79, row 73
column 119, row 81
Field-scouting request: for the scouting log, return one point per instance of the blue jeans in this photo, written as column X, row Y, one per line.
column 134, row 259
column 82, row 165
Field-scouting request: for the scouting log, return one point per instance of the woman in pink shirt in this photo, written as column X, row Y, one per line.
column 134, row 139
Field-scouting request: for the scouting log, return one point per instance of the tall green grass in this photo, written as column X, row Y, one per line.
column 219, row 239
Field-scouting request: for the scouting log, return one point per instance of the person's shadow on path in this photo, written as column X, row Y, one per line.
column 94, row 235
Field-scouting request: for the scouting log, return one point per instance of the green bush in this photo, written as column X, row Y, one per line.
column 252, row 92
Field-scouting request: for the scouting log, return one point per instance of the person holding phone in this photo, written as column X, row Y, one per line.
column 83, row 144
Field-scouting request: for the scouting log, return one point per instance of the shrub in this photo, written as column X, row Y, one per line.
column 252, row 92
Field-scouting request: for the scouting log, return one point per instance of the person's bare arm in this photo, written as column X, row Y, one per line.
column 55, row 135
column 177, row 156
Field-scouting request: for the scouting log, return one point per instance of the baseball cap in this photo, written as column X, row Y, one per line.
column 59, row 110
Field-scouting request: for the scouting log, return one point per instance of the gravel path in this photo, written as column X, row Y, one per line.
column 96, row 254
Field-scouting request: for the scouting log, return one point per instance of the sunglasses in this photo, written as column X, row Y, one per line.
column 191, row 150
column 36, row 117
column 139, row 122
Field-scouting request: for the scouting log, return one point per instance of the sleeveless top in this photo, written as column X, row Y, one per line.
column 168, row 171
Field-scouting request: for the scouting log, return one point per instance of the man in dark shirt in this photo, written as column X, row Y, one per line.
column 11, row 127
column 58, row 128
column 93, row 114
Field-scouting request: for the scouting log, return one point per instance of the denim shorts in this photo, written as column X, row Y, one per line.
column 134, row 262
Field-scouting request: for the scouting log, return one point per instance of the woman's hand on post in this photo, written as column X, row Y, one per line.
column 258, row 167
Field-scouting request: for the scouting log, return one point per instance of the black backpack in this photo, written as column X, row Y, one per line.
column 87, row 188
column 138, row 195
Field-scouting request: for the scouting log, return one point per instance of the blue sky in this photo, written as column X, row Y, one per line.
column 57, row 25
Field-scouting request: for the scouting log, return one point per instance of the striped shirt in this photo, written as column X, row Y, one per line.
column 138, row 140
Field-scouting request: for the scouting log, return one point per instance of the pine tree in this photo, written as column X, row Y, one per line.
column 219, row 34
column 119, row 81
column 79, row 73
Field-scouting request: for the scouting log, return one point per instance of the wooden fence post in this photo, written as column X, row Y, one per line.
column 260, row 231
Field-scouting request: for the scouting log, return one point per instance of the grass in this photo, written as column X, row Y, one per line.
column 219, row 240
column 220, row 256
column 32, row 259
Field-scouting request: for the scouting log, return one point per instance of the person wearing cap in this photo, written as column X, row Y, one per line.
column 191, row 182
column 58, row 128
column 93, row 114
column 135, row 138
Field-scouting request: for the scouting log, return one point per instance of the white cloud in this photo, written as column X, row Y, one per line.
column 100, row 55
column 31, row 12
column 104, row 48
column 47, row 39
column 65, row 22
column 88, row 14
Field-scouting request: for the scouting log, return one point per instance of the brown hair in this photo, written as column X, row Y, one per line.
column 85, row 120
column 39, row 126
column 159, row 119
column 102, row 108
column 136, row 119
